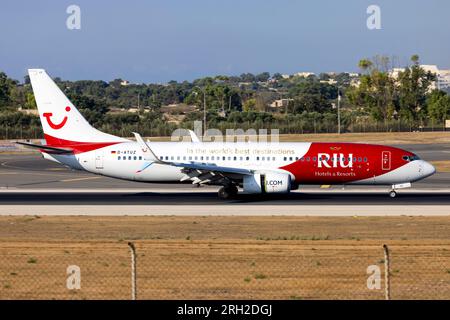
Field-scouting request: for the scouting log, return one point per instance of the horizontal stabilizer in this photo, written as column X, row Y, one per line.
column 46, row 148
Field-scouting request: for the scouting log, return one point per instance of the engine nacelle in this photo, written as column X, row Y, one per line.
column 269, row 182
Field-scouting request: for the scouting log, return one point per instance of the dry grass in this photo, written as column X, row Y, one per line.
column 441, row 166
column 223, row 257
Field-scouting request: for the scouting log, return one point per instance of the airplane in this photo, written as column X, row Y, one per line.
column 256, row 167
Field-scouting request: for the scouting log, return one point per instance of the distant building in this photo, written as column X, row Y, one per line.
column 395, row 72
column 442, row 76
column 304, row 74
column 285, row 76
column 329, row 81
column 124, row 83
column 29, row 111
column 280, row 103
column 355, row 82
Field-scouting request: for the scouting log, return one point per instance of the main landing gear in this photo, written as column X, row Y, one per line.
column 228, row 192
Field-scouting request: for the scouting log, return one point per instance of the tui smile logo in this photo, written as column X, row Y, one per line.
column 52, row 125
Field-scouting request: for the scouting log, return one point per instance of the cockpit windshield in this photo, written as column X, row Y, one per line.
column 411, row 158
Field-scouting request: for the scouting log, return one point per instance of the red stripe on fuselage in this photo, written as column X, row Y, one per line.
column 310, row 172
column 76, row 146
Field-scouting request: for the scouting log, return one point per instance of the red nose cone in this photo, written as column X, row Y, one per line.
column 67, row 108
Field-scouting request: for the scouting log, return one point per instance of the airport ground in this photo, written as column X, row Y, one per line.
column 27, row 181
column 212, row 257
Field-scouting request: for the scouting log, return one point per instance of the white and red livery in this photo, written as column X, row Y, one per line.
column 255, row 167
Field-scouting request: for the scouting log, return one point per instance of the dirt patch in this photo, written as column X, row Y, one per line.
column 441, row 166
column 224, row 257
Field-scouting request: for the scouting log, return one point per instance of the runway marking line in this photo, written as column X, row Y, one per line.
column 79, row 179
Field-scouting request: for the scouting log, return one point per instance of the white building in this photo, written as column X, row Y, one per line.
column 304, row 74
column 329, row 81
column 280, row 103
column 443, row 76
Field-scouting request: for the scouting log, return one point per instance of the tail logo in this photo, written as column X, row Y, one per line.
column 52, row 125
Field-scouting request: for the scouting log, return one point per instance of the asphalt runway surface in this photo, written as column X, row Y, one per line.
column 27, row 179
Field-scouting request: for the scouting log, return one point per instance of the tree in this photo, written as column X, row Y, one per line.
column 30, row 101
column 414, row 83
column 415, row 59
column 249, row 105
column 365, row 65
column 262, row 77
column 6, row 86
column 438, row 105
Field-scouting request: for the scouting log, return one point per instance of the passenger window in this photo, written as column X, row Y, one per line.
column 129, row 157
column 314, row 159
column 171, row 158
column 161, row 158
column 184, row 158
column 140, row 157
column 359, row 159
column 365, row 159
column 190, row 157
column 178, row 158
column 135, row 158
column 302, row 159
column 263, row 158
column 285, row 159
column 195, row 158
column 234, row 158
column 223, row 158
column 207, row 158
column 118, row 158
column 290, row 158
column 247, row 158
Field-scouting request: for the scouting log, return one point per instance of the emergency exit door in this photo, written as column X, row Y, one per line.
column 99, row 159
column 386, row 160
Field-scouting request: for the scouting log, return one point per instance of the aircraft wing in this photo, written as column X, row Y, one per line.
column 199, row 173
column 46, row 148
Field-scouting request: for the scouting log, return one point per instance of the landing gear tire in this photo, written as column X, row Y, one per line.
column 392, row 194
column 229, row 192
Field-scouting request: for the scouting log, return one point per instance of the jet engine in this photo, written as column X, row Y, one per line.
column 269, row 182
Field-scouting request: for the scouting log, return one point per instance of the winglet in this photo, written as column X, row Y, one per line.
column 146, row 148
column 194, row 137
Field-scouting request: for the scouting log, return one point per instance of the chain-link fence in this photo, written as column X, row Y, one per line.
column 215, row 270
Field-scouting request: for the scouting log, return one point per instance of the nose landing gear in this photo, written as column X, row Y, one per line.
column 393, row 193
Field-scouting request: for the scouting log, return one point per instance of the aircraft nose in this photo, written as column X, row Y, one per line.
column 427, row 169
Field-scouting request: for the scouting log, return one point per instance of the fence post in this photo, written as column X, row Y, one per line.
column 133, row 270
column 387, row 273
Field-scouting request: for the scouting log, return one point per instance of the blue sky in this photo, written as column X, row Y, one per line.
column 158, row 41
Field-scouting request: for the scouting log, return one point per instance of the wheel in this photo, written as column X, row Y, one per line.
column 233, row 190
column 228, row 192
column 224, row 193
column 392, row 194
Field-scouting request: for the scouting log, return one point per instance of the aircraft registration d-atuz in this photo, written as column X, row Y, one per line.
column 256, row 167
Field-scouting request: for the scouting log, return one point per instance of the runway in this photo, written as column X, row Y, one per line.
column 32, row 185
